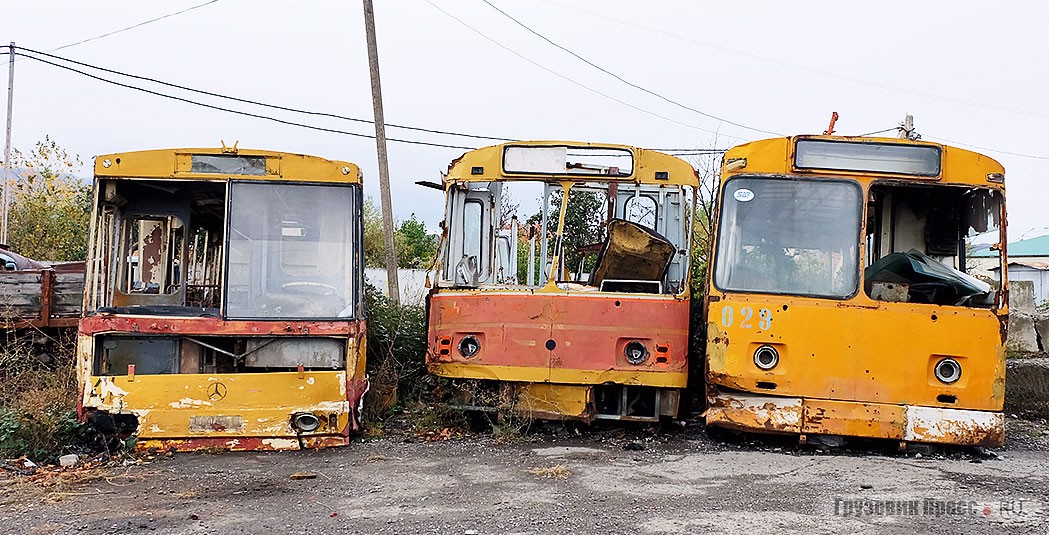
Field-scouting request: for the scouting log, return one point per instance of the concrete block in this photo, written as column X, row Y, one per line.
column 1041, row 326
column 1022, row 336
column 1027, row 386
column 1021, row 296
column 68, row 460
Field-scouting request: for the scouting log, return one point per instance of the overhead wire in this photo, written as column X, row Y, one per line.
column 567, row 78
column 797, row 66
column 132, row 27
column 261, row 104
column 988, row 149
column 240, row 112
column 33, row 55
column 880, row 131
column 623, row 80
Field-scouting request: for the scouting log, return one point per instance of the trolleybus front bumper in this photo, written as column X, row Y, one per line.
column 906, row 423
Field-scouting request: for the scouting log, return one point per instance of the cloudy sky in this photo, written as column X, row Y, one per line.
column 684, row 74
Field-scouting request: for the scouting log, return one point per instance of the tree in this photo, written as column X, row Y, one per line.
column 709, row 171
column 584, row 225
column 416, row 248
column 50, row 208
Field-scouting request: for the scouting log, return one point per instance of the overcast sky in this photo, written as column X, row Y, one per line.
column 971, row 73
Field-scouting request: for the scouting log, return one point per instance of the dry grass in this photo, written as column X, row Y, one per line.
column 558, row 471
column 37, row 394
column 56, row 484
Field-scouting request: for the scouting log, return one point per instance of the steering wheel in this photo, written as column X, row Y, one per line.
column 298, row 286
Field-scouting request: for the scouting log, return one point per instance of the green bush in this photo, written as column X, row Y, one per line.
column 396, row 352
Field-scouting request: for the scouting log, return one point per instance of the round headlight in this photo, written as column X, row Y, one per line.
column 469, row 346
column 948, row 371
column 766, row 357
column 635, row 352
column 305, row 422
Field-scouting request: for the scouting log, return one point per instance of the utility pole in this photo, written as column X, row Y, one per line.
column 380, row 148
column 7, row 145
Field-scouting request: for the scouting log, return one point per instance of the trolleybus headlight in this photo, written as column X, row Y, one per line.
column 305, row 422
column 635, row 352
column 766, row 357
column 469, row 346
column 948, row 371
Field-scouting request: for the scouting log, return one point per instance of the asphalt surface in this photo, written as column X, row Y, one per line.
column 554, row 480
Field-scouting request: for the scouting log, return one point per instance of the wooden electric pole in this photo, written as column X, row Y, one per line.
column 380, row 148
column 7, row 146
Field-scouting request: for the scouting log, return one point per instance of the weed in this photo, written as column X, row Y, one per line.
column 396, row 354
column 37, row 395
column 558, row 471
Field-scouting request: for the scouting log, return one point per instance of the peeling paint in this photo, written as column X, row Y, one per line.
column 281, row 443
column 955, row 426
column 757, row 413
column 189, row 403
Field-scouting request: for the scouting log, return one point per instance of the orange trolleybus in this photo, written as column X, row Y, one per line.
column 842, row 299
column 562, row 283
column 222, row 305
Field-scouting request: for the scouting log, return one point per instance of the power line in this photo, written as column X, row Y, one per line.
column 988, row 149
column 621, row 79
column 567, row 78
column 880, row 131
column 282, row 121
column 257, row 103
column 143, row 23
column 239, row 112
column 800, row 67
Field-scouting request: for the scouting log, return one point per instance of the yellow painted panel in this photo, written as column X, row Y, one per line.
column 859, row 350
column 547, row 399
column 646, row 163
column 559, row 375
column 776, row 156
column 174, row 164
column 249, row 404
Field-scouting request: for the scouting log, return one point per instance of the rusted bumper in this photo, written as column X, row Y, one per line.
column 908, row 423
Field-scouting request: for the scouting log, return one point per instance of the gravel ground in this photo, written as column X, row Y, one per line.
column 555, row 480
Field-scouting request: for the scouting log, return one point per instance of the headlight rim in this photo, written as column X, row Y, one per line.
column 948, row 379
column 467, row 339
column 645, row 353
column 765, row 349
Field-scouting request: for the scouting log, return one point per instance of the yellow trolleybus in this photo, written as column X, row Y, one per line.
column 592, row 321
column 842, row 299
column 222, row 306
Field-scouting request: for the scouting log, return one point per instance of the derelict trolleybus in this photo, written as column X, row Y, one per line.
column 841, row 298
column 562, row 284
column 222, row 306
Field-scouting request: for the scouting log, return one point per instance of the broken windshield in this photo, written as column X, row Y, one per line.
column 523, row 242
column 789, row 236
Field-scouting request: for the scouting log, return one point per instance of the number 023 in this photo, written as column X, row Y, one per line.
column 746, row 318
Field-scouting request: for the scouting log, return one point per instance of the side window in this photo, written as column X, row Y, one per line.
column 641, row 210
column 153, row 262
column 472, row 212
